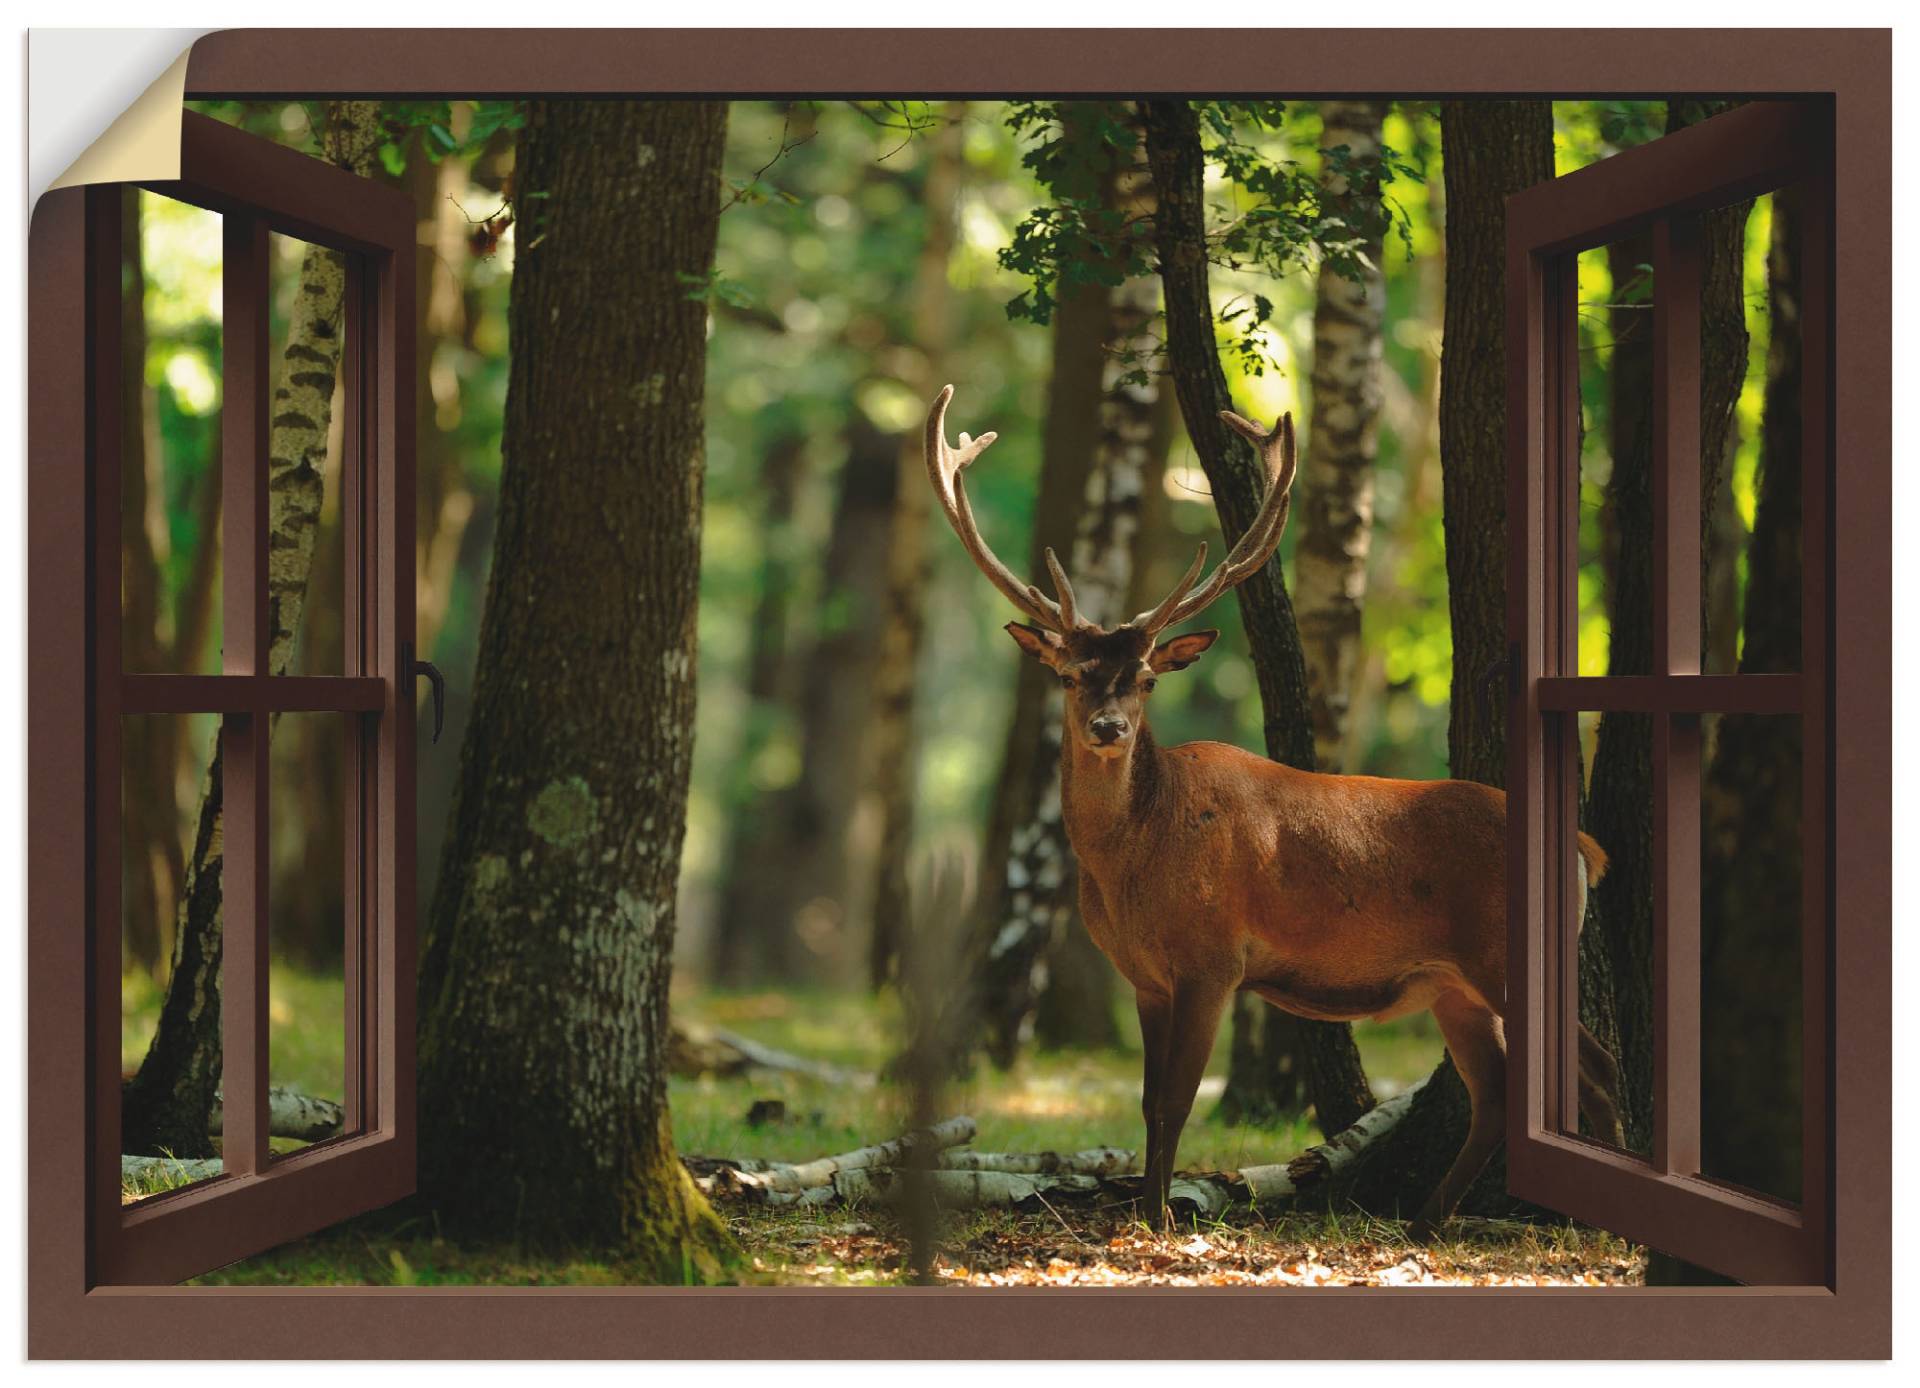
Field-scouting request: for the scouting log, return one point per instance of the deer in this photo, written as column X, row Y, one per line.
column 1206, row 870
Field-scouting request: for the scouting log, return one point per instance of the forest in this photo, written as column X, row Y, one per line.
column 750, row 944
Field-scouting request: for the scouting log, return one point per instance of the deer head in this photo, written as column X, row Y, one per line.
column 1109, row 673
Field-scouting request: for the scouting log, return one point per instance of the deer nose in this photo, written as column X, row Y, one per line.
column 1108, row 730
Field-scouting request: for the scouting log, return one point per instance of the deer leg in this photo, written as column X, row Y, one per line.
column 1600, row 1090
column 1193, row 1024
column 1478, row 1044
column 1155, row 1016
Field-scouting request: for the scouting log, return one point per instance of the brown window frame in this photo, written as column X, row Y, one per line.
column 1851, row 1317
column 1661, row 188
column 260, row 1199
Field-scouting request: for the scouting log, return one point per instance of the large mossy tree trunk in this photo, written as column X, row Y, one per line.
column 1491, row 149
column 543, row 1058
column 1336, row 1082
column 167, row 1106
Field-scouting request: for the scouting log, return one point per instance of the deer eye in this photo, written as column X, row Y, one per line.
column 1066, row 681
column 1148, row 685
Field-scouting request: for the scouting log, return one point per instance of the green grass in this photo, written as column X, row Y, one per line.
column 1048, row 1101
column 306, row 1032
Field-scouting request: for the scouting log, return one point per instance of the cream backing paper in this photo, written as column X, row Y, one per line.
column 74, row 74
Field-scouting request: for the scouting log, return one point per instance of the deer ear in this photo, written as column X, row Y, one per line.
column 1044, row 646
column 1181, row 651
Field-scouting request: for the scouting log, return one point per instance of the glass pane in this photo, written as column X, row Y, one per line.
column 307, row 914
column 170, row 456
column 305, row 552
column 1751, row 965
column 168, row 841
column 1615, row 297
column 1752, row 578
column 1615, row 987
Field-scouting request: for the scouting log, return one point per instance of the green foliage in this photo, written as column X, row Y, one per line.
column 1270, row 215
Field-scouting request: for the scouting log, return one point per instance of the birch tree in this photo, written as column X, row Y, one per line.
column 168, row 1103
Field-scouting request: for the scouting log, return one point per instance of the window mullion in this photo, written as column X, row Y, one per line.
column 245, row 434
column 1676, row 651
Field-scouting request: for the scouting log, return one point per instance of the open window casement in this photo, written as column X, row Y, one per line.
column 1659, row 193
column 259, row 1196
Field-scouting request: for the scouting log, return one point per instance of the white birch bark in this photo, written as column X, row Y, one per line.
column 1040, row 867
column 291, row 1114
column 1336, row 477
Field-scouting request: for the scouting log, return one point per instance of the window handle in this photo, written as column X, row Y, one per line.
column 437, row 681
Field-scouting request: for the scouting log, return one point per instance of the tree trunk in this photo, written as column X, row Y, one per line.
column 1618, row 808
column 890, row 736
column 801, row 895
column 551, row 938
column 1030, row 758
column 1750, row 845
column 155, row 869
column 165, row 1107
column 1179, row 166
column 1336, row 476
column 745, row 948
column 1492, row 149
column 1268, row 1070
column 1098, row 412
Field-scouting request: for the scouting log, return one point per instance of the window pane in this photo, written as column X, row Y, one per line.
column 1615, row 301
column 1751, row 961
column 1615, row 987
column 307, row 913
column 170, row 456
column 1752, row 578
column 169, row 884
column 305, row 552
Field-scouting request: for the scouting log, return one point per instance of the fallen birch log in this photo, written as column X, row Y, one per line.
column 957, row 1190
column 179, row 1171
column 291, row 1114
column 696, row 1049
column 1095, row 1161
column 1317, row 1165
column 950, row 1132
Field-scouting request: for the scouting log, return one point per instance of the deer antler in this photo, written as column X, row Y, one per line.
column 1278, row 459
column 943, row 467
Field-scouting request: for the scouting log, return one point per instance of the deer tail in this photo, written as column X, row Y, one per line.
column 1595, row 858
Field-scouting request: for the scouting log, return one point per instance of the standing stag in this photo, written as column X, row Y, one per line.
column 1205, row 869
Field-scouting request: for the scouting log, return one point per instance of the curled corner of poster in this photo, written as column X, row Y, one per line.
column 86, row 126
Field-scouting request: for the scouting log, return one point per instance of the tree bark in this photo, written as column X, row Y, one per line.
column 1029, row 760
column 165, row 1107
column 890, row 734
column 1492, row 149
column 1096, row 413
column 1179, row 167
column 1336, row 476
column 544, row 1037
column 1618, row 807
column 1267, row 1074
column 1750, row 845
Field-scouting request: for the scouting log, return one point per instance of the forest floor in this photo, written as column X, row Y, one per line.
column 1050, row 1101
